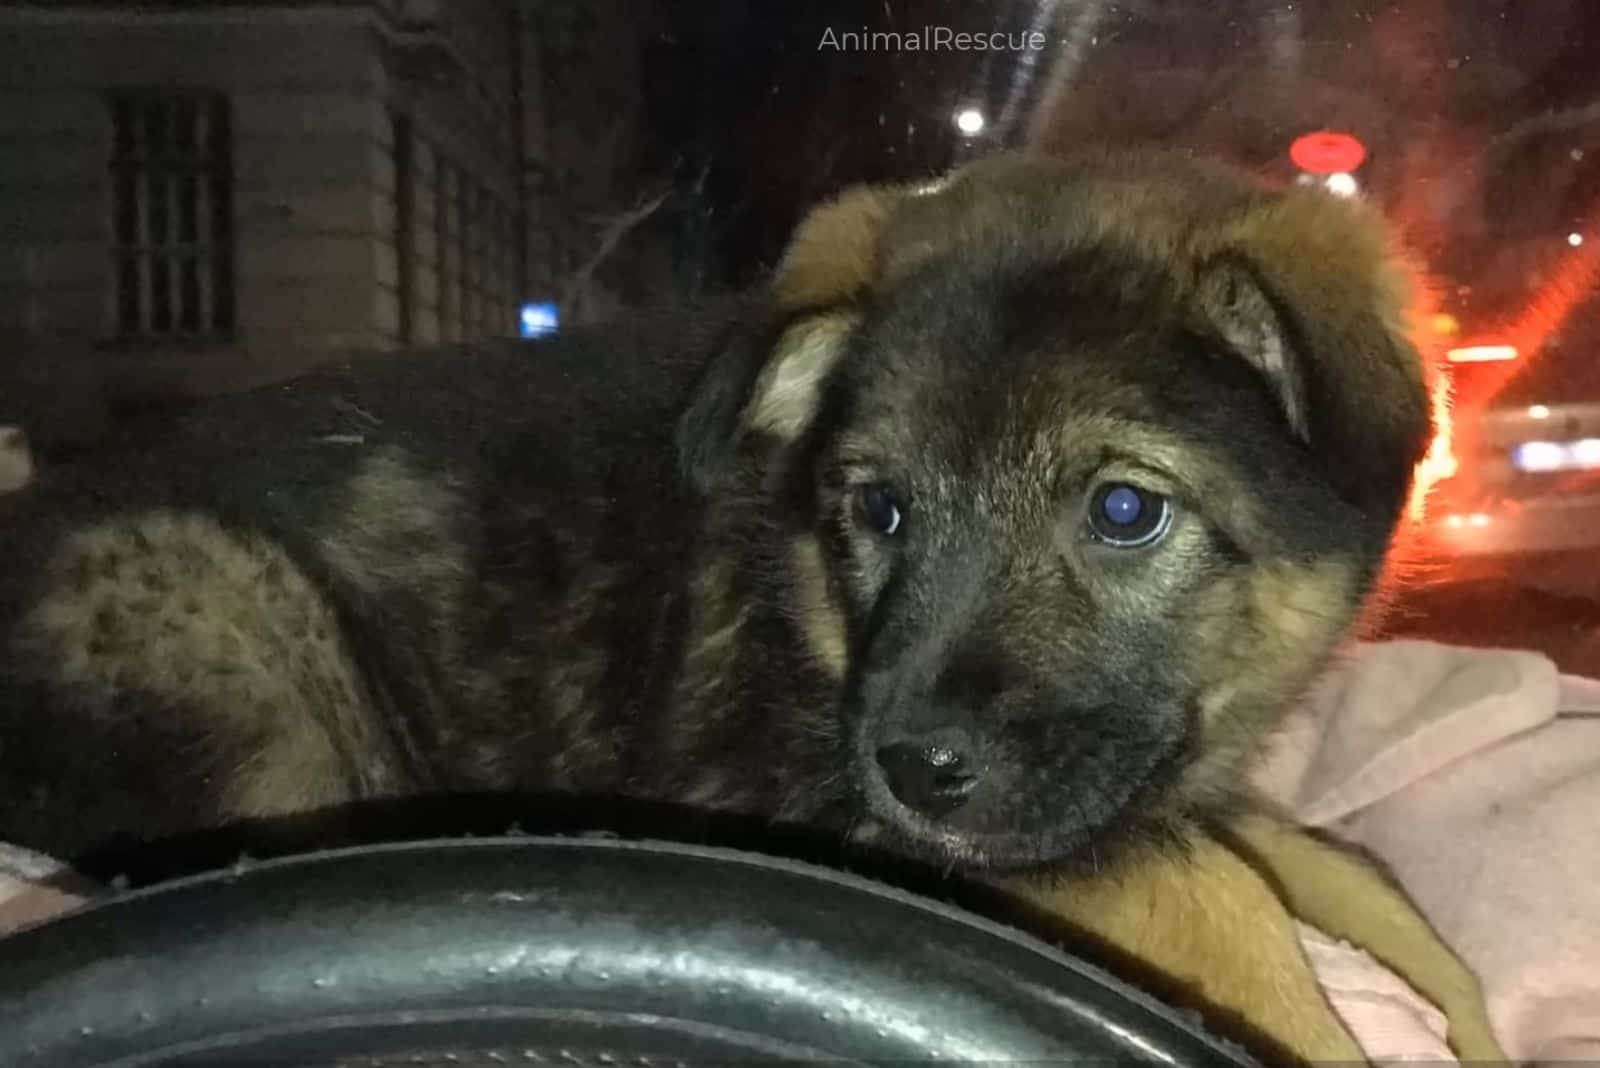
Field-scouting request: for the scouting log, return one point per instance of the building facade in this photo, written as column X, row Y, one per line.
column 233, row 191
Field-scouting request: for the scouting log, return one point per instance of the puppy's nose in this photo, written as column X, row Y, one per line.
column 933, row 773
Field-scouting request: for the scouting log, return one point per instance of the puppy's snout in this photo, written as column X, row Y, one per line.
column 933, row 773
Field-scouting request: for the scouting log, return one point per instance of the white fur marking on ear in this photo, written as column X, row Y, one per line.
column 1249, row 323
column 789, row 390
column 16, row 459
column 1270, row 355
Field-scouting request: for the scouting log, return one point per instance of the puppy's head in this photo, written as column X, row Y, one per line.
column 1082, row 471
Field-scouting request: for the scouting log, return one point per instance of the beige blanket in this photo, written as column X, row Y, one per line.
column 1475, row 776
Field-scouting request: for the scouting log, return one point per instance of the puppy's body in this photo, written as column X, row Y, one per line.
column 855, row 554
column 433, row 572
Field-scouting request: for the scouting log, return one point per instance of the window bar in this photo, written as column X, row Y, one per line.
column 205, row 247
column 119, row 135
column 141, row 188
column 173, row 247
column 464, row 256
column 404, row 227
column 441, row 241
column 221, row 163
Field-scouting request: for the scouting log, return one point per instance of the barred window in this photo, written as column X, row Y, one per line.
column 172, row 214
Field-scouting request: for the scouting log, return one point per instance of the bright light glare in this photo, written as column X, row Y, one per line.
column 1574, row 239
column 1483, row 353
column 1476, row 519
column 1342, row 184
column 539, row 319
column 1540, row 456
column 1543, row 456
column 970, row 121
column 1586, row 452
column 1538, row 411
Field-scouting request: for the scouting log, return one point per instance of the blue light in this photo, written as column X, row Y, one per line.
column 540, row 319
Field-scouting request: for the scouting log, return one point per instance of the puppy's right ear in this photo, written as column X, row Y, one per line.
column 762, row 388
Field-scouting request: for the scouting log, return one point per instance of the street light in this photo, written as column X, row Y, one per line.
column 970, row 122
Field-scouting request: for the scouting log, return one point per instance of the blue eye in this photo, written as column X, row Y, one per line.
column 879, row 509
column 1127, row 517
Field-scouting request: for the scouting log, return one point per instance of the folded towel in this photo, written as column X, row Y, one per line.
column 1474, row 775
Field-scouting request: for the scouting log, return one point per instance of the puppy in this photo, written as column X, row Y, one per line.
column 996, row 533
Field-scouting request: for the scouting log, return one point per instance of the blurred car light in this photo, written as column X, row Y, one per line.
column 1545, row 456
column 1482, row 353
column 1456, row 520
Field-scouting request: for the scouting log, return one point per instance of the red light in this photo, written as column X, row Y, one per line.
column 1327, row 152
column 1483, row 354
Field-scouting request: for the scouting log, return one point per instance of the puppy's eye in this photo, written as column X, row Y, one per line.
column 1127, row 517
column 879, row 509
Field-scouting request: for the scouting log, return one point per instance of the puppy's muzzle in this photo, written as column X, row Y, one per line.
column 933, row 773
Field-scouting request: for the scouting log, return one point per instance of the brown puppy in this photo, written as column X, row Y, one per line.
column 1213, row 924
column 996, row 534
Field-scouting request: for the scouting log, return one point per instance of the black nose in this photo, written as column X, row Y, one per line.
column 933, row 774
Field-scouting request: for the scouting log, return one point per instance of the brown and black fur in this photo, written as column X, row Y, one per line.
column 634, row 564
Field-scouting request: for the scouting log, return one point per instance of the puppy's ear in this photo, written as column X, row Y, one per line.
column 1307, row 288
column 763, row 388
column 833, row 256
column 704, row 438
column 759, row 392
column 1237, row 307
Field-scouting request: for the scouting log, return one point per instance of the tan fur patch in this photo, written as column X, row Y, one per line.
column 391, row 510
column 1217, row 931
column 719, row 616
column 397, row 529
column 1303, row 606
column 833, row 255
column 1258, row 642
column 717, row 621
column 821, row 619
column 211, row 622
column 1343, row 897
column 572, row 679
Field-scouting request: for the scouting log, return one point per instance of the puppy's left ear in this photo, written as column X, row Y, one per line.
column 1309, row 290
column 833, row 257
column 764, row 384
